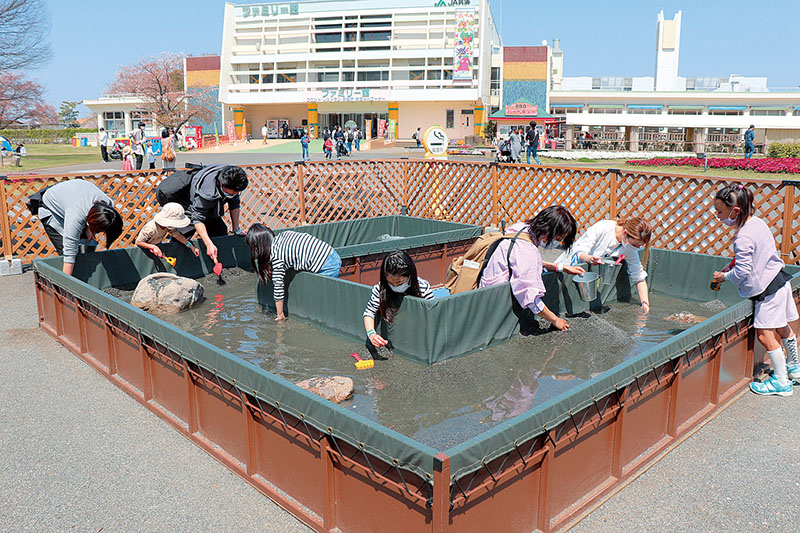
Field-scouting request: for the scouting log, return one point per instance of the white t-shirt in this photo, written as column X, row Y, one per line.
column 263, row 131
column 102, row 138
column 600, row 240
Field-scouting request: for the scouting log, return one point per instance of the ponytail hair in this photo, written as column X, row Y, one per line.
column 737, row 195
column 259, row 240
column 639, row 229
column 397, row 263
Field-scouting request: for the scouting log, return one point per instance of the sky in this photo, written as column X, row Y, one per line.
column 92, row 38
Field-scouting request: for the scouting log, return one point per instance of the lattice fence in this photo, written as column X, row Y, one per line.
column 285, row 195
column 681, row 210
column 523, row 191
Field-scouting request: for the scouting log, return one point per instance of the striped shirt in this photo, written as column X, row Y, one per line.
column 375, row 298
column 298, row 251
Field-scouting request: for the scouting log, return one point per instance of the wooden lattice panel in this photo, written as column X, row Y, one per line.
column 351, row 189
column 523, row 191
column 459, row 192
column 681, row 210
column 272, row 196
column 793, row 246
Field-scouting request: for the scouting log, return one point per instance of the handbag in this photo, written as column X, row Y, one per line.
column 167, row 154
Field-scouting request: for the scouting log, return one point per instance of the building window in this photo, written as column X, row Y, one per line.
column 348, row 76
column 266, row 78
column 328, row 37
column 606, row 110
column 376, row 35
column 416, row 75
column 449, row 118
column 434, row 75
column 115, row 123
column 350, row 36
column 767, row 112
column 494, row 89
column 685, row 111
column 290, row 77
column 373, row 76
column 327, row 76
column 726, row 112
column 644, row 111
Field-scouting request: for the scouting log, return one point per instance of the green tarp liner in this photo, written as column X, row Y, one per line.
column 678, row 274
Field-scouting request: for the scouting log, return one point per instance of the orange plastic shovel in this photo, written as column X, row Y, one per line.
column 362, row 364
column 171, row 261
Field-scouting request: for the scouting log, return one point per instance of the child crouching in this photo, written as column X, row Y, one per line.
column 166, row 223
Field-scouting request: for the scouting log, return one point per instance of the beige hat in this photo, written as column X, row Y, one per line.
column 172, row 216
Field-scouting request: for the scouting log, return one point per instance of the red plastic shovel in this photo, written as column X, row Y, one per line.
column 218, row 272
column 620, row 259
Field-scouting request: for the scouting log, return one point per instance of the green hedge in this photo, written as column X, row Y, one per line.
column 784, row 150
column 40, row 136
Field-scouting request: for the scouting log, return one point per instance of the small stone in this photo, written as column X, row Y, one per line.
column 335, row 388
column 686, row 318
column 165, row 292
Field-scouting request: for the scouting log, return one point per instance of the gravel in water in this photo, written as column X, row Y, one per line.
column 446, row 403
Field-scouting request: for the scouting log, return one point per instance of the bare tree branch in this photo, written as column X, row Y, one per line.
column 24, row 27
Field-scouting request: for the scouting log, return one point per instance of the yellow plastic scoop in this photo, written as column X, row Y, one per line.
column 362, row 364
column 171, row 261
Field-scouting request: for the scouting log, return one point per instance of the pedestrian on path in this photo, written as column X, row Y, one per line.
column 264, row 132
column 749, row 142
column 357, row 139
column 102, row 141
column 516, row 146
column 137, row 145
column 532, row 138
column 304, row 145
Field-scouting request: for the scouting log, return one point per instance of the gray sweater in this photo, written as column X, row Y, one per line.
column 66, row 207
column 206, row 198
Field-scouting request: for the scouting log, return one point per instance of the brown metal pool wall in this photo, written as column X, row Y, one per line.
column 550, row 480
column 319, row 478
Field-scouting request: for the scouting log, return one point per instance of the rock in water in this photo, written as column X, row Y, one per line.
column 167, row 293
column 335, row 388
column 714, row 305
column 686, row 318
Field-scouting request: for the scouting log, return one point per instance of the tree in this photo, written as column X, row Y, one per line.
column 159, row 82
column 21, row 101
column 24, row 25
column 68, row 114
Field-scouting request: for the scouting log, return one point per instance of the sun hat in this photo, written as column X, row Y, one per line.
column 126, row 150
column 172, row 215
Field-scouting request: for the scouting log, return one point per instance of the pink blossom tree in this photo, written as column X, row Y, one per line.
column 21, row 101
column 159, row 82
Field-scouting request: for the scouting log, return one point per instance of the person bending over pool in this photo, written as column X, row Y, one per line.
column 398, row 279
column 610, row 239
column 523, row 267
column 271, row 255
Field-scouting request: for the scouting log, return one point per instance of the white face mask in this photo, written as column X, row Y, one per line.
column 730, row 221
column 400, row 288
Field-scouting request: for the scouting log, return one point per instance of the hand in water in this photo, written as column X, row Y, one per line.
column 646, row 307
column 280, row 318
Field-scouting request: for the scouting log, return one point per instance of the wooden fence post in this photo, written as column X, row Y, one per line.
column 788, row 212
column 613, row 174
column 299, row 167
column 5, row 222
column 440, row 506
column 495, row 198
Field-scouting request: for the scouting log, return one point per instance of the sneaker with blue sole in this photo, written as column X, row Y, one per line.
column 771, row 387
column 794, row 372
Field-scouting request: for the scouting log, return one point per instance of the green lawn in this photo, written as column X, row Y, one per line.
column 42, row 156
column 666, row 169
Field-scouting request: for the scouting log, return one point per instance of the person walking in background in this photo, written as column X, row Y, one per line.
column 264, row 132
column 304, row 145
column 167, row 150
column 749, row 142
column 102, row 141
column 328, row 147
column 532, row 138
column 349, row 141
column 127, row 158
column 19, row 153
column 417, row 136
column 357, row 139
column 137, row 145
column 151, row 156
column 516, row 146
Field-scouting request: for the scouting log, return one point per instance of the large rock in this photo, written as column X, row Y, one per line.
column 335, row 388
column 166, row 293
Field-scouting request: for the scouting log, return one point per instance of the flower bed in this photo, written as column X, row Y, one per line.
column 573, row 155
column 784, row 165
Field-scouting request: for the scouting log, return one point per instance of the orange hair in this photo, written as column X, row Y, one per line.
column 640, row 229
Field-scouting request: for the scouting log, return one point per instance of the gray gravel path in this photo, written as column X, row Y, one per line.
column 78, row 454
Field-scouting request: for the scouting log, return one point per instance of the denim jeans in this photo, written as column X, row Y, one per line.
column 349, row 146
column 305, row 152
column 331, row 266
column 532, row 151
column 358, row 144
column 749, row 148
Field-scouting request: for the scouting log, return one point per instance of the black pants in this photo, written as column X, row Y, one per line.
column 153, row 165
column 215, row 227
column 139, row 159
column 58, row 240
column 104, row 153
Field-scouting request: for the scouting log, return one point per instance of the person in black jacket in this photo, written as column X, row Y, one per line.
column 203, row 195
column 532, row 138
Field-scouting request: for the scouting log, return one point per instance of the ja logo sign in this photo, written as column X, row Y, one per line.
column 451, row 3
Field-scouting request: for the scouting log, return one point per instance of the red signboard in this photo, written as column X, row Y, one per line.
column 523, row 109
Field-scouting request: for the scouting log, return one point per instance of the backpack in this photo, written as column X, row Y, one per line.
column 176, row 186
column 414, row 136
column 465, row 271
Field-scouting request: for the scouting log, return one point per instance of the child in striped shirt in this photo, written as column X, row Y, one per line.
column 271, row 255
column 398, row 278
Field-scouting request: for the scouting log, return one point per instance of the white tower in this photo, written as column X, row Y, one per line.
column 668, row 45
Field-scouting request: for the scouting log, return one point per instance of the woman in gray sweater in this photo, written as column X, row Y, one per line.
column 73, row 212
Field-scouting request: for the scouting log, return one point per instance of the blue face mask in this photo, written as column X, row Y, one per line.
column 400, row 288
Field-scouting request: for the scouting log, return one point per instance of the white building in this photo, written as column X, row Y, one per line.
column 319, row 64
column 668, row 111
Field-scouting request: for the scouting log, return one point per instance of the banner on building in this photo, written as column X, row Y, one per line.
column 381, row 128
column 392, row 128
column 368, row 129
column 522, row 109
column 231, row 131
column 462, row 54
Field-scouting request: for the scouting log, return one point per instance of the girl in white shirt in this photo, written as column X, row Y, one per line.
column 611, row 238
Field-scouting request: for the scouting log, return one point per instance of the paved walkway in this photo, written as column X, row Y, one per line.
column 76, row 453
